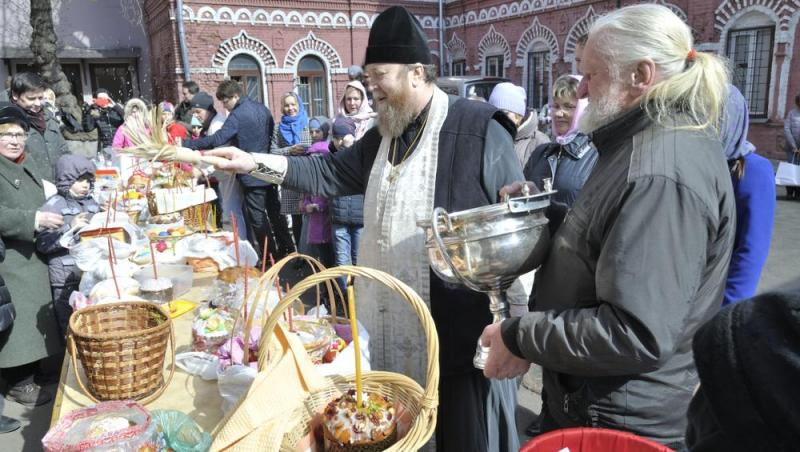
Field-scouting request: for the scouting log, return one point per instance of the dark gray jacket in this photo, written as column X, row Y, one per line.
column 61, row 265
column 347, row 210
column 637, row 266
column 106, row 122
column 567, row 166
column 44, row 149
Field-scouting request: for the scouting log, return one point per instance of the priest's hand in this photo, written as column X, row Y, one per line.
column 501, row 363
column 235, row 159
column 515, row 189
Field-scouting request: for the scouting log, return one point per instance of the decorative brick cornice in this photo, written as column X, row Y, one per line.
column 363, row 19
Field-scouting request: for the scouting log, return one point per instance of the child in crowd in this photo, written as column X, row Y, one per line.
column 197, row 127
column 74, row 179
column 347, row 212
column 175, row 130
column 316, row 207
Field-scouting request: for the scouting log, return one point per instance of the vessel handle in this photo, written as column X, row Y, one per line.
column 439, row 212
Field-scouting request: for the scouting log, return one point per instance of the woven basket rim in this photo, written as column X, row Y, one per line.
column 117, row 334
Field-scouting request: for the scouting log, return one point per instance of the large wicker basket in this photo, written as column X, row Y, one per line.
column 122, row 348
column 420, row 404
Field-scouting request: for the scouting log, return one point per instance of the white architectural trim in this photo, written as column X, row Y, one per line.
column 493, row 43
column 312, row 44
column 243, row 43
column 456, row 49
column 533, row 34
column 579, row 28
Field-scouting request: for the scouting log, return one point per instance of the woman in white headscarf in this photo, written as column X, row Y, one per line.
column 354, row 105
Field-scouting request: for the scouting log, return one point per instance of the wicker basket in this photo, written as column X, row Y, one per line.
column 419, row 404
column 122, row 348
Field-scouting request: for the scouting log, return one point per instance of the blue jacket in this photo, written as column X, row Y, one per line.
column 248, row 127
column 755, row 214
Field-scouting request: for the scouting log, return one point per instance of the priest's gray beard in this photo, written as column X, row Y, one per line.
column 602, row 110
column 395, row 114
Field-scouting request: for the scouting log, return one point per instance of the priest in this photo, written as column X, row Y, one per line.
column 428, row 150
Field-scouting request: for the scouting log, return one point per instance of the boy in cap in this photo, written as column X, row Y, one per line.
column 428, row 150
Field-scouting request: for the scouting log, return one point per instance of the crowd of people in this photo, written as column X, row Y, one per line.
column 662, row 215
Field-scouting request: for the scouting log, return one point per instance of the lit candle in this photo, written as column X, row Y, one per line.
column 351, row 305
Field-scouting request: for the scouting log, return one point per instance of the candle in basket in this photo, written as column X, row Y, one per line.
column 351, row 305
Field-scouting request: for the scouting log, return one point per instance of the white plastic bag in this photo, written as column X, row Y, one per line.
column 202, row 364
column 788, row 174
column 233, row 383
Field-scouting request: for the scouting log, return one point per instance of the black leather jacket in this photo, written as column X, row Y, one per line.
column 567, row 166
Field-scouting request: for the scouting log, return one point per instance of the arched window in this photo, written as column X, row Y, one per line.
column 313, row 85
column 750, row 48
column 244, row 69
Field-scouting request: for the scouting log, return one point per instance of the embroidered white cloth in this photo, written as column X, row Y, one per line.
column 393, row 243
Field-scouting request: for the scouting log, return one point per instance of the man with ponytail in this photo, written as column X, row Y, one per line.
column 639, row 262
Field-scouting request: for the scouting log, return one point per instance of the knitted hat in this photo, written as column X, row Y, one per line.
column 354, row 71
column 749, row 367
column 321, row 123
column 202, row 100
column 10, row 113
column 343, row 126
column 396, row 36
column 166, row 107
column 510, row 97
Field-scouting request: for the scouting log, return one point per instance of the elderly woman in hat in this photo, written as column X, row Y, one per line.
column 34, row 333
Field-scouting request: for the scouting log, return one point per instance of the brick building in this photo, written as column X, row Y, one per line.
column 277, row 46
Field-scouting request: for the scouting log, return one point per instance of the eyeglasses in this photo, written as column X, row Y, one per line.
column 13, row 136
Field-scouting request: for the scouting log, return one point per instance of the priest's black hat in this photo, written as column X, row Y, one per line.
column 396, row 36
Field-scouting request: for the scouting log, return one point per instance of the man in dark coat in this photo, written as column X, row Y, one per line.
column 249, row 126
column 45, row 143
column 183, row 112
column 640, row 260
column 429, row 150
column 748, row 362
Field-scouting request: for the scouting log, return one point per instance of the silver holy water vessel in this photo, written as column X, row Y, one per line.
column 489, row 247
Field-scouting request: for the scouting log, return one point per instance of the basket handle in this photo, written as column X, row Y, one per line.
column 74, row 358
column 431, row 398
column 267, row 282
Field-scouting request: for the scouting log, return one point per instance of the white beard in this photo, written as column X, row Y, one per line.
column 602, row 110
